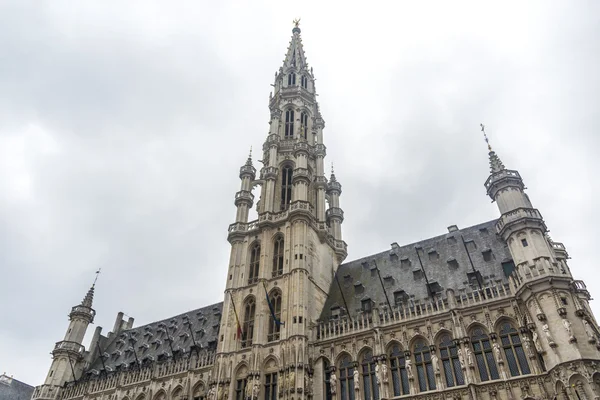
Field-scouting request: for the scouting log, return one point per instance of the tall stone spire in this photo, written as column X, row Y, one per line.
column 495, row 162
column 89, row 297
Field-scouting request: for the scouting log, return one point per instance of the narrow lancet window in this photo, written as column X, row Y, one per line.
column 425, row 373
column 248, row 328
column 278, row 256
column 399, row 374
column 291, row 79
column 484, row 355
column 450, row 362
column 274, row 327
column 346, row 379
column 254, row 264
column 286, row 188
column 304, row 81
column 371, row 389
column 304, row 125
column 289, row 124
column 513, row 351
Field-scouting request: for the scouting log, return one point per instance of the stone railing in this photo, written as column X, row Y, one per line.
column 72, row 347
column 505, row 173
column 541, row 267
column 403, row 313
column 83, row 310
column 515, row 215
column 334, row 212
column 45, row 392
column 244, row 195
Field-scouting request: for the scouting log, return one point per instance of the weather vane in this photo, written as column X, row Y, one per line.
column 296, row 22
column 485, row 136
column 96, row 278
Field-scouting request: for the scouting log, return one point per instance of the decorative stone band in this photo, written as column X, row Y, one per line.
column 518, row 216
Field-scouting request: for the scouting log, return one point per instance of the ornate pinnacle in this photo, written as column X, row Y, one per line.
column 249, row 160
column 495, row 162
column 89, row 298
column 296, row 23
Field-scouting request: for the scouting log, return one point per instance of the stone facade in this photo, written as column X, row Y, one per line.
column 486, row 312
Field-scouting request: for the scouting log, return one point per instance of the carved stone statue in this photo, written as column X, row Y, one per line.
column 408, row 366
column 496, row 347
column 461, row 359
column 567, row 325
column 469, row 357
column 356, row 380
column 536, row 342
column 589, row 330
column 212, row 392
column 436, row 363
column 220, row 393
column 527, row 345
column 378, row 374
column 333, row 382
column 384, row 373
column 291, row 380
column 546, row 330
column 248, row 394
column 255, row 389
column 308, row 381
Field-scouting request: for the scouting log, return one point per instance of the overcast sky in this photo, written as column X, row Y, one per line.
column 123, row 126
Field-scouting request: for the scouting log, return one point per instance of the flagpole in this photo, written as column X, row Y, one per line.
column 343, row 297
column 237, row 319
column 383, row 287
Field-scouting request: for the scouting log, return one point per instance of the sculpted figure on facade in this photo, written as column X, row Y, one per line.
column 256, row 388
column 212, row 393
column 384, row 373
column 291, row 381
column 567, row 325
column 332, row 382
column 589, row 330
column 496, row 348
column 377, row 374
column 356, row 380
column 436, row 362
column 461, row 359
column 408, row 366
column 469, row 356
column 536, row 342
column 546, row 330
column 248, row 392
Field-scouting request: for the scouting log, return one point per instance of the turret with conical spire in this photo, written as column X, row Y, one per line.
column 541, row 278
column 68, row 354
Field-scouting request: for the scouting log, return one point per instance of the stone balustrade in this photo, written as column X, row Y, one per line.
column 515, row 215
column 505, row 173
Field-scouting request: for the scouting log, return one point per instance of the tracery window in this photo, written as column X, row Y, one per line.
column 289, row 124
column 346, row 379
column 450, row 362
column 278, row 248
column 254, row 264
column 291, row 79
column 425, row 373
column 304, row 81
column 399, row 374
column 513, row 350
column 271, row 386
column 286, row 187
column 304, row 125
column 482, row 349
column 248, row 328
column 274, row 327
column 370, row 388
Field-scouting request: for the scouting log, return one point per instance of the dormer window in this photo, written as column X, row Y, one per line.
column 304, row 81
column 292, row 79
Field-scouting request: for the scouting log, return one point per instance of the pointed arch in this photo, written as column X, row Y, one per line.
column 291, row 79
column 160, row 395
column 140, row 396
column 270, row 367
column 397, row 359
column 254, row 265
column 278, row 254
column 241, row 380
column 424, row 366
column 248, row 325
column 199, row 391
column 275, row 298
column 513, row 348
column 482, row 350
column 177, row 393
column 304, row 81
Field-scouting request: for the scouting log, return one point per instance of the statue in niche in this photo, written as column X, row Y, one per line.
column 546, row 330
column 461, row 360
column 436, row 362
column 567, row 325
column 384, row 373
column 469, row 356
column 589, row 330
column 408, row 366
column 333, row 382
column 255, row 389
column 356, row 380
column 496, row 348
column 536, row 342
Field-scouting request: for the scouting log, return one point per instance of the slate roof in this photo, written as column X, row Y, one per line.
column 446, row 265
column 12, row 389
column 151, row 344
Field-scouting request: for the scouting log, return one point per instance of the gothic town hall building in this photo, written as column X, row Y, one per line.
column 487, row 312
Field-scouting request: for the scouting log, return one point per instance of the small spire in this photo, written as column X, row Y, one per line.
column 249, row 160
column 332, row 178
column 296, row 23
column 495, row 162
column 89, row 297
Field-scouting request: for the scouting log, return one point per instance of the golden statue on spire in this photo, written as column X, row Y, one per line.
column 296, row 22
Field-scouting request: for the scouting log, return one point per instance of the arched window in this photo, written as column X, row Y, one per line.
column 513, row 350
column 274, row 327
column 254, row 264
column 425, row 373
column 371, row 390
column 399, row 375
column 271, row 386
column 248, row 328
column 278, row 256
column 289, row 124
column 286, row 187
column 484, row 355
column 450, row 362
column 303, row 125
column 346, row 379
column 327, row 379
column 304, row 81
column 291, row 79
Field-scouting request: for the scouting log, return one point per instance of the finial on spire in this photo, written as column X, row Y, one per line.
column 485, row 136
column 249, row 160
column 296, row 23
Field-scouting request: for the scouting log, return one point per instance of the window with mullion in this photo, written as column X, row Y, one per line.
column 278, row 247
column 327, row 380
column 271, row 386
column 248, row 329
column 482, row 349
column 304, row 125
column 240, row 389
column 254, row 264
column 286, row 187
column 513, row 351
column 289, row 124
column 425, row 372
column 399, row 374
column 274, row 327
column 346, row 379
column 370, row 388
column 450, row 362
